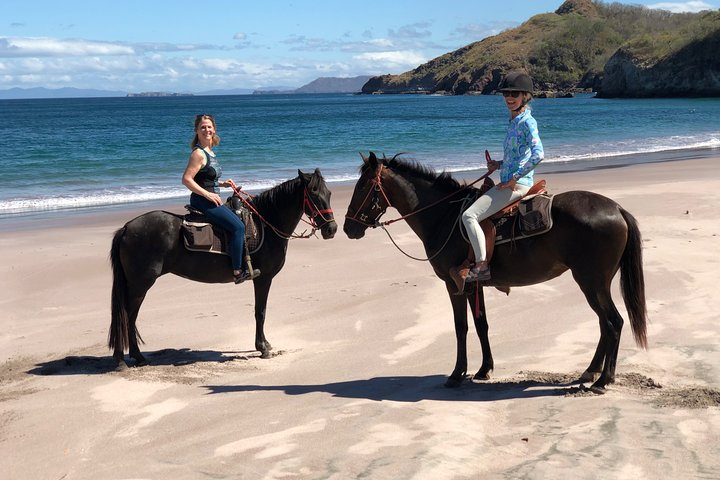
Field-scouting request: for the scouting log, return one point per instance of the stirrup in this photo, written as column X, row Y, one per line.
column 246, row 275
column 480, row 276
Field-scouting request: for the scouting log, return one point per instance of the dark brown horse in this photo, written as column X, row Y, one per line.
column 151, row 245
column 592, row 236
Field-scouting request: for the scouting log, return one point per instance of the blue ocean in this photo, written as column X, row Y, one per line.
column 75, row 154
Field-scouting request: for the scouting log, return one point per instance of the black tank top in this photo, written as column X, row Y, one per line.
column 207, row 177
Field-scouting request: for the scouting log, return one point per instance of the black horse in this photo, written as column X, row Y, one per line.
column 151, row 245
column 592, row 236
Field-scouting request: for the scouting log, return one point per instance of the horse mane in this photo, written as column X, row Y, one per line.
column 276, row 195
column 279, row 194
column 442, row 180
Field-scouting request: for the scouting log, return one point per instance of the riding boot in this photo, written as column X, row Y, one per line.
column 249, row 273
column 459, row 274
column 479, row 273
column 244, row 275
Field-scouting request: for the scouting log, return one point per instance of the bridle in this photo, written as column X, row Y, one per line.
column 310, row 209
column 377, row 191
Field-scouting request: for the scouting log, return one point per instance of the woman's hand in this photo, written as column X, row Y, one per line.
column 214, row 197
column 229, row 183
column 509, row 184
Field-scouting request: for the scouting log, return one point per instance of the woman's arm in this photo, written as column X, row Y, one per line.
column 532, row 139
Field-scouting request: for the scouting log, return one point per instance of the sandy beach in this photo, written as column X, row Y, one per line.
column 363, row 341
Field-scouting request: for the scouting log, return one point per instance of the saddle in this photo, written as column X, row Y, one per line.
column 524, row 218
column 199, row 235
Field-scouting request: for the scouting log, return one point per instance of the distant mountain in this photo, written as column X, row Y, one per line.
column 66, row 92
column 611, row 48
column 335, row 85
column 228, row 91
column 273, row 90
column 320, row 85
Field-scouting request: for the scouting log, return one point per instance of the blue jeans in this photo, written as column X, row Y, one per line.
column 226, row 219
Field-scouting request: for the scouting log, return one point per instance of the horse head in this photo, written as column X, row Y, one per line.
column 368, row 202
column 316, row 203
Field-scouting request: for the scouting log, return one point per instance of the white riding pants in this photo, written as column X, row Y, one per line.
column 488, row 204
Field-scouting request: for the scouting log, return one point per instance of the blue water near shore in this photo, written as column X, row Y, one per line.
column 70, row 154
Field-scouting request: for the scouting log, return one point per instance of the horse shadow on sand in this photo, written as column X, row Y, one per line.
column 90, row 365
column 410, row 389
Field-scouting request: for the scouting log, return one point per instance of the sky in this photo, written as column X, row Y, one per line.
column 195, row 46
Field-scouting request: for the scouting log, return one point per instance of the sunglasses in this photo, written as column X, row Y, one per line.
column 511, row 94
column 203, row 115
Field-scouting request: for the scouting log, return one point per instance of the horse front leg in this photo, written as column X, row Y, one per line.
column 461, row 328
column 262, row 290
column 477, row 306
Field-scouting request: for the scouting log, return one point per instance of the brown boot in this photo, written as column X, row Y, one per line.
column 458, row 275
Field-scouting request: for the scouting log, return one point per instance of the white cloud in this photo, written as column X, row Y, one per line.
column 413, row 31
column 44, row 47
column 680, row 7
column 390, row 60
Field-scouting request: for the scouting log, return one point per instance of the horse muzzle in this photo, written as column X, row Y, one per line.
column 328, row 230
column 354, row 230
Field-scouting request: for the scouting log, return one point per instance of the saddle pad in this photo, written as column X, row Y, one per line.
column 532, row 218
column 201, row 236
column 204, row 237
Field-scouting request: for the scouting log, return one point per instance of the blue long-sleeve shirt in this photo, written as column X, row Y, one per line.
column 522, row 150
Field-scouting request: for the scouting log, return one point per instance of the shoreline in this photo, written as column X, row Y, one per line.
column 76, row 216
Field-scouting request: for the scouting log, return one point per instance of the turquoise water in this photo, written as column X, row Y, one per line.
column 76, row 153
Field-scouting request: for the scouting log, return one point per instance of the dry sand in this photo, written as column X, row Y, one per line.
column 363, row 339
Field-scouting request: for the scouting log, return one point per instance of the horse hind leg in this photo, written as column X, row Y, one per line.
column 592, row 373
column 133, row 334
column 611, row 323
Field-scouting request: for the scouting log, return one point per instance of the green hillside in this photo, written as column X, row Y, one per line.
column 564, row 50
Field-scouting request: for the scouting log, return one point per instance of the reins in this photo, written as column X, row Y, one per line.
column 377, row 187
column 307, row 202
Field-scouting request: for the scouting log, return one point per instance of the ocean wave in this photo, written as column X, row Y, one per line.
column 339, row 172
column 126, row 196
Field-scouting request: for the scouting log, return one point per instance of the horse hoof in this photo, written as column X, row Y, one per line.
column 598, row 390
column 482, row 375
column 266, row 354
column 121, row 366
column 141, row 362
column 453, row 382
column 589, row 376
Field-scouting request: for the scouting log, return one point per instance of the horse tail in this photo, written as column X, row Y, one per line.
column 632, row 281
column 118, row 337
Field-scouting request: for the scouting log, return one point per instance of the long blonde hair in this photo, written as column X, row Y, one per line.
column 200, row 118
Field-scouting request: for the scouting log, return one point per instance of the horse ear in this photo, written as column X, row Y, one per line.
column 364, row 158
column 372, row 161
column 303, row 176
